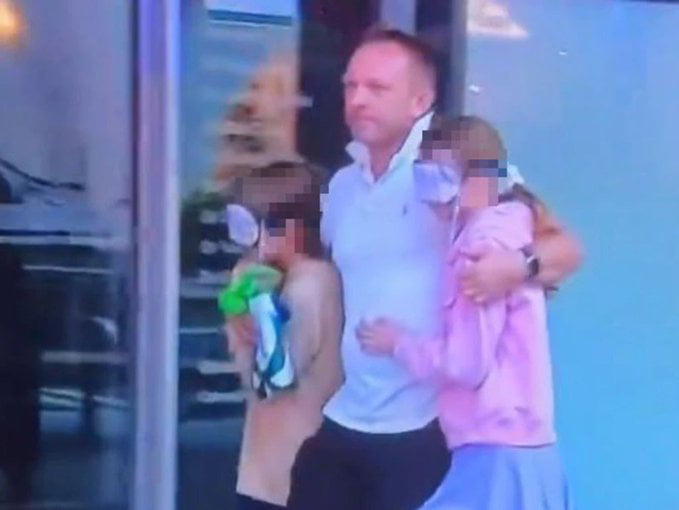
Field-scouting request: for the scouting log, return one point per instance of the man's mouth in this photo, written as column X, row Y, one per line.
column 362, row 120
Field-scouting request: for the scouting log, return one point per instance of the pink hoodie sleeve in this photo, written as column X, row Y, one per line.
column 466, row 353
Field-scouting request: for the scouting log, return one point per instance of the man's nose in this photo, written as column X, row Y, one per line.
column 357, row 97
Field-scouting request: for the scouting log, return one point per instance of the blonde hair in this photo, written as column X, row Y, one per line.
column 479, row 144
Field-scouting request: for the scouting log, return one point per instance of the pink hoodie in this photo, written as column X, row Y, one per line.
column 494, row 363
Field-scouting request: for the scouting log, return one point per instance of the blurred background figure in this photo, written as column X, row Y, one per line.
column 19, row 381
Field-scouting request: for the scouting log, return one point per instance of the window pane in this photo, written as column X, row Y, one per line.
column 65, row 253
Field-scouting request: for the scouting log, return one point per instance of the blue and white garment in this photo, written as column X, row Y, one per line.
column 256, row 291
column 273, row 370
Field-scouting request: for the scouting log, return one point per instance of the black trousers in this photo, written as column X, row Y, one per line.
column 248, row 503
column 342, row 469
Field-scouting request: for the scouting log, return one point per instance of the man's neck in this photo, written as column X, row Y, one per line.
column 380, row 157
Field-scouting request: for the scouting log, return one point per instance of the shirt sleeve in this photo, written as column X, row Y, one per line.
column 466, row 353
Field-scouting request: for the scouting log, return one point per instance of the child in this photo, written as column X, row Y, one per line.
column 496, row 403
column 288, row 196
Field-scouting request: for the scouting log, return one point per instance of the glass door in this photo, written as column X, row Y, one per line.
column 66, row 253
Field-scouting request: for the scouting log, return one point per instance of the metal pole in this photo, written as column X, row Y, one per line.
column 157, row 240
column 458, row 57
column 399, row 14
column 443, row 24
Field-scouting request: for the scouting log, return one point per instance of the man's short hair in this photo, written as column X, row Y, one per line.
column 423, row 55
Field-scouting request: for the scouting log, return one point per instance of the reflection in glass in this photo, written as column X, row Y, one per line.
column 12, row 25
column 65, row 253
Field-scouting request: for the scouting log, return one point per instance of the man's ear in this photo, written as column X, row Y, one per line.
column 423, row 101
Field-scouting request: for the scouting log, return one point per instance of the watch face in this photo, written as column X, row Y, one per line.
column 533, row 266
column 532, row 261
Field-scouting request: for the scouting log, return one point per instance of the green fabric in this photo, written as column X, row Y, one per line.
column 253, row 281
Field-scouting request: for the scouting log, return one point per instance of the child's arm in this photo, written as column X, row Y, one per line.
column 316, row 323
column 463, row 356
column 466, row 353
column 241, row 335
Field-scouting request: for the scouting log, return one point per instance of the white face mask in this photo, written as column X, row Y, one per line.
column 244, row 229
column 436, row 182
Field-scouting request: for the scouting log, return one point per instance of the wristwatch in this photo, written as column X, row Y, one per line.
column 532, row 262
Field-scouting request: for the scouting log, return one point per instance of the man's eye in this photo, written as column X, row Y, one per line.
column 377, row 87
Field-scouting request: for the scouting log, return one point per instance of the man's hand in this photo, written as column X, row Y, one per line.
column 491, row 273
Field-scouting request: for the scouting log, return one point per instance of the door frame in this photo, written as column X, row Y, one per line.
column 156, row 132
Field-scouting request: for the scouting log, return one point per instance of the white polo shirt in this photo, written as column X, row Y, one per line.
column 389, row 249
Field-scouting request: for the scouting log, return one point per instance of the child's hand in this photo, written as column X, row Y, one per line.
column 241, row 331
column 379, row 337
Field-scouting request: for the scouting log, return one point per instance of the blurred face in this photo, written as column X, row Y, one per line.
column 275, row 198
column 478, row 192
column 443, row 154
column 384, row 93
column 443, row 176
column 272, row 244
column 281, row 240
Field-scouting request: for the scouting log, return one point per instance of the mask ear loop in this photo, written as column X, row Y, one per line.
column 261, row 242
column 455, row 226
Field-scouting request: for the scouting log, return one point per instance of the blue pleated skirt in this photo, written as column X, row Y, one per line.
column 487, row 477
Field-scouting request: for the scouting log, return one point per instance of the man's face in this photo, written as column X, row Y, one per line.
column 383, row 94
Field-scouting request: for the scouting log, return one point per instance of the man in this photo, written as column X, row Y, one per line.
column 380, row 447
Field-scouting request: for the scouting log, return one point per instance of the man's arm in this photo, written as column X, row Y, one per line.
column 560, row 254
column 495, row 271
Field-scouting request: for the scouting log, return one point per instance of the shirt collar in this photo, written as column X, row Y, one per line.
column 406, row 154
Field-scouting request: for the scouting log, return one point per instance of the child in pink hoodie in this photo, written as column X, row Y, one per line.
column 493, row 364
